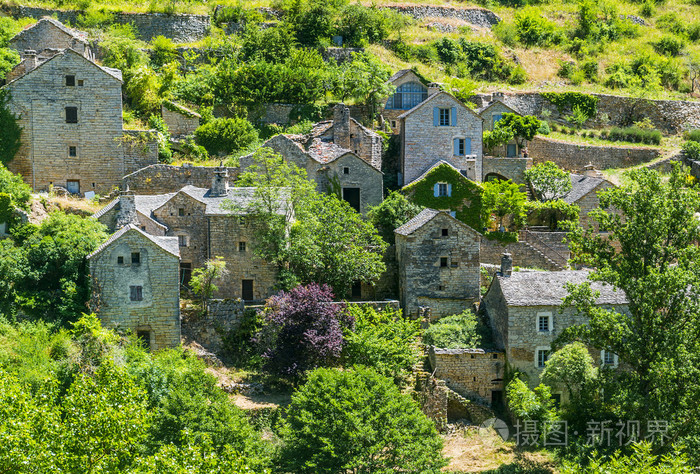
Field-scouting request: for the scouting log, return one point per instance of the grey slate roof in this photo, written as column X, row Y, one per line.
column 241, row 198
column 431, row 97
column 115, row 73
column 580, row 186
column 483, row 109
column 325, row 152
column 548, row 288
column 169, row 244
column 79, row 35
column 423, row 217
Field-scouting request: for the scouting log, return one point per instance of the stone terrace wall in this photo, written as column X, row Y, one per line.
column 524, row 255
column 222, row 316
column 574, row 156
column 472, row 372
column 476, row 16
column 161, row 179
column 671, row 116
column 180, row 28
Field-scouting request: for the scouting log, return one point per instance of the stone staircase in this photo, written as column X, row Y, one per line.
column 551, row 254
column 526, row 252
column 476, row 411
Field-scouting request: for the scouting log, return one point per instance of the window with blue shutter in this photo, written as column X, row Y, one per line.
column 443, row 117
column 453, row 117
column 436, row 190
column 449, row 189
column 459, row 146
column 467, row 146
column 436, row 116
column 496, row 118
column 455, row 146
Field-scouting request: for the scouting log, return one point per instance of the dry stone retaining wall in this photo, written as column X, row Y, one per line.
column 162, row 179
column 575, row 156
column 476, row 16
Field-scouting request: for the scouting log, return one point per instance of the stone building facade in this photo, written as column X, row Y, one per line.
column 70, row 111
column 441, row 128
column 438, row 259
column 135, row 280
column 584, row 194
column 411, row 90
column 208, row 223
column 50, row 34
column 180, row 120
column 524, row 310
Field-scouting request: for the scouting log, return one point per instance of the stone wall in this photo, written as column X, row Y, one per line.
column 157, row 274
column 180, row 123
column 510, row 168
column 207, row 330
column 181, row 28
column 340, row 55
column 140, row 149
column 474, row 373
column 162, row 179
column 524, row 255
column 671, row 116
column 476, row 16
column 575, row 156
column 45, row 34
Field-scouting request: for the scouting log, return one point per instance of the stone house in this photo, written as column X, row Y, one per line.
column 49, row 35
column 70, row 111
column 208, row 223
column 339, row 155
column 584, row 194
column 441, row 128
column 135, row 282
column 180, row 120
column 444, row 187
column 438, row 261
column 525, row 313
column 411, row 90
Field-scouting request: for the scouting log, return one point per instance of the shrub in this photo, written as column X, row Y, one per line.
column 357, row 421
column 691, row 149
column 383, row 340
column 525, row 404
column 566, row 69
column 533, row 29
column 507, row 33
column 393, row 212
column 459, row 331
column 302, row 330
column 694, row 31
column 360, row 25
column 518, row 75
column 590, row 70
column 226, row 135
column 448, row 50
column 693, row 135
column 555, row 213
column 647, row 9
column 164, row 50
column 165, row 154
column 8, row 60
column 13, row 185
column 669, row 45
column 635, row 135
column 588, row 104
column 10, row 131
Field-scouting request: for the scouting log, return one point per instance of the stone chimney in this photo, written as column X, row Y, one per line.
column 506, row 264
column 219, row 183
column 127, row 209
column 590, row 171
column 30, row 60
column 433, row 88
column 341, row 126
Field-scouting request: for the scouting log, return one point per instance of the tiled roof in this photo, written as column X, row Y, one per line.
column 115, row 73
column 237, row 198
column 325, row 152
column 494, row 102
column 580, row 186
column 423, row 217
column 548, row 288
column 169, row 244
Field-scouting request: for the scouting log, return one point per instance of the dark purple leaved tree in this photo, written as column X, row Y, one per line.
column 302, row 330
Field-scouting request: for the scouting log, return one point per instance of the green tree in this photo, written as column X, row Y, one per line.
column 642, row 460
column 204, row 278
column 226, row 135
column 525, row 404
column 364, row 79
column 10, row 131
column 524, row 127
column 503, row 199
column 356, row 420
column 393, row 212
column 570, row 367
column 8, row 60
column 459, row 331
column 548, row 181
column 650, row 252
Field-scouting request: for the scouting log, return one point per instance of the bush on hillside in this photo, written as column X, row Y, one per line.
column 222, row 136
column 459, row 331
column 635, row 134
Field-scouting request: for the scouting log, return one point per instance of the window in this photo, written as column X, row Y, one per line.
column 136, row 293
column 445, row 232
column 120, row 260
column 181, row 212
column 608, row 358
column 72, row 151
column 70, row 81
column 182, row 240
column 544, row 322
column 241, row 246
column 185, row 273
column 444, row 117
column 496, row 118
column 407, row 96
column 511, row 151
column 80, row 83
column 135, row 258
column 393, row 124
column 73, row 186
column 541, row 357
column 346, row 170
column 454, row 264
column 443, row 189
column 443, row 262
column 459, row 147
column 441, row 288
column 71, row 114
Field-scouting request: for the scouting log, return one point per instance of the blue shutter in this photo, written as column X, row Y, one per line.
column 455, row 146
column 453, row 116
column 436, row 116
column 453, row 214
column 467, row 146
column 436, row 190
column 449, row 189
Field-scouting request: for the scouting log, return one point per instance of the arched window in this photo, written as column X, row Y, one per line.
column 407, row 96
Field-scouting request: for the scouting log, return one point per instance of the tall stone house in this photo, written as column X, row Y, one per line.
column 411, row 90
column 136, row 287
column 70, row 111
column 48, row 36
column 525, row 313
column 340, row 155
column 438, row 261
column 441, row 128
column 208, row 223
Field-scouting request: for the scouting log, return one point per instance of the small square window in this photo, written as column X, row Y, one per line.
column 445, row 232
column 136, row 293
column 444, row 117
column 135, row 258
column 70, row 81
column 443, row 262
column 544, row 322
column 441, row 288
column 393, row 124
column 182, row 240
column 346, row 170
column 495, row 356
column 241, row 246
column 608, row 358
column 80, row 83
column 442, row 189
column 181, row 212
column 120, row 260
column 72, row 151
column 71, row 114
